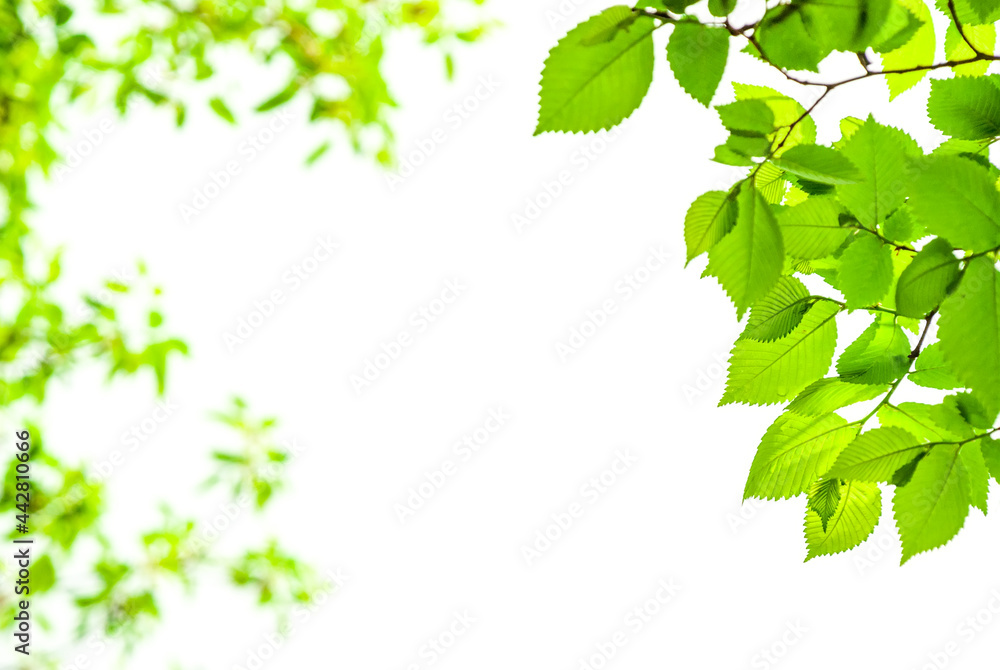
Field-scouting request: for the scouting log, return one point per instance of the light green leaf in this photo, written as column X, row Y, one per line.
column 794, row 452
column 879, row 356
column 857, row 513
column 979, row 475
column 956, row 48
column 762, row 373
column 812, row 229
column 827, row 395
column 219, row 107
column 876, row 455
column 866, row 271
column 778, row 313
column 932, row 507
column 932, row 371
column 925, row 281
column 967, row 108
column 785, row 42
column 918, row 51
column 748, row 261
column 956, row 198
column 697, row 54
column 786, row 112
column 819, row 164
column 588, row 88
column 747, row 116
column 930, row 423
column 882, row 156
column 969, row 330
column 708, row 220
column 846, row 25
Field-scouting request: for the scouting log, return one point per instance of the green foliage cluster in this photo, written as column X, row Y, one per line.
column 56, row 55
column 873, row 224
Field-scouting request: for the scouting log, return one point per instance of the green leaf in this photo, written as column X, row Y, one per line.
column 778, row 313
column 279, row 98
column 794, row 452
column 956, row 198
column 979, row 475
column 882, row 156
column 43, row 575
column 846, row 25
column 933, row 506
column 762, row 373
column 930, row 423
column 785, row 42
column 876, row 455
column 899, row 28
column 588, row 88
column 925, row 281
column 819, row 164
column 918, row 51
column 985, row 9
column 932, row 371
column 823, row 499
column 827, row 395
column 708, row 220
column 991, row 455
column 812, row 229
column 721, row 7
column 967, row 108
column 857, row 513
column 969, row 330
column 786, row 111
column 866, row 271
column 956, row 48
column 697, row 54
column 748, row 261
column 901, row 227
column 220, row 108
column 752, row 117
column 879, row 356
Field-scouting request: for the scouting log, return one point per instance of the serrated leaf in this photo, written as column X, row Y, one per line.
column 918, row 51
column 879, row 356
column 593, row 87
column 969, row 330
column 823, row 499
column 882, row 155
column 752, row 117
column 979, row 475
column 819, row 164
column 956, row 48
column 956, row 198
column 930, row 423
column 857, row 513
column 828, row 395
column 812, row 229
column 778, row 313
column 762, row 373
column 708, row 220
column 899, row 28
column 876, row 455
column 794, row 452
column 932, row 371
column 901, row 227
column 748, row 261
column 866, row 271
column 926, row 281
column 697, row 54
column 786, row 113
column 967, row 108
column 846, row 25
column 932, row 507
column 991, row 455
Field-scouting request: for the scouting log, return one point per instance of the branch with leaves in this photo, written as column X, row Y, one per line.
column 906, row 237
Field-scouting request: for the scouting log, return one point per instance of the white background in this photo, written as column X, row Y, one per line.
column 646, row 383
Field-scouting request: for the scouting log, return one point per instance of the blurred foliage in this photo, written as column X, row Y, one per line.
column 172, row 55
